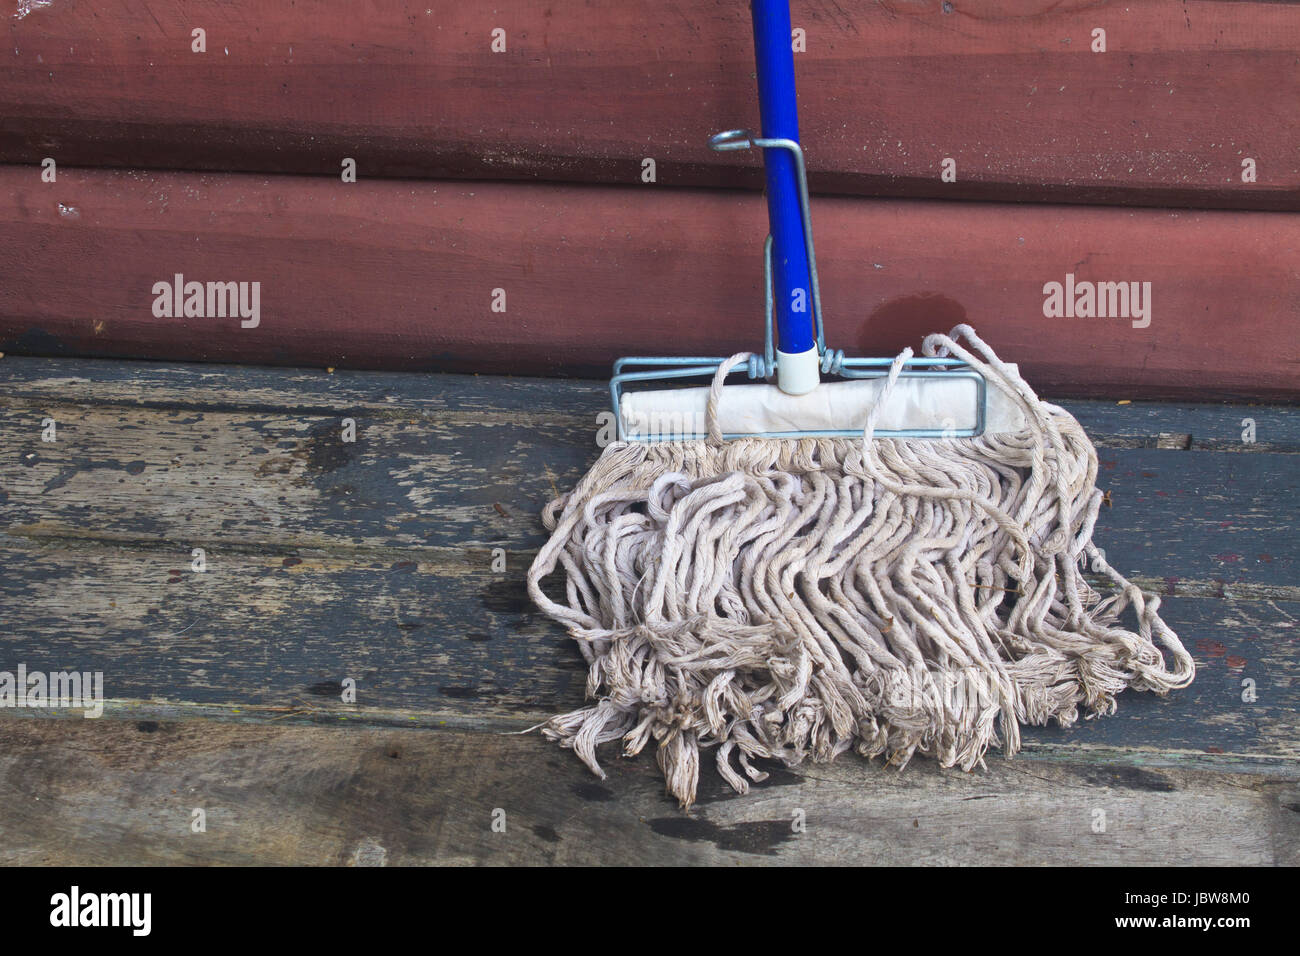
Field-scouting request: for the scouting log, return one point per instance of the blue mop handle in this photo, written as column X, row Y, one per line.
column 792, row 285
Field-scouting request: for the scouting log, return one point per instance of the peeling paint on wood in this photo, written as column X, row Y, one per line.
column 329, row 561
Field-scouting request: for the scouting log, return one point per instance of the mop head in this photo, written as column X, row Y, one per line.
column 794, row 598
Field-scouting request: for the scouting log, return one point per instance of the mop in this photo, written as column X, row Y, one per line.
column 891, row 562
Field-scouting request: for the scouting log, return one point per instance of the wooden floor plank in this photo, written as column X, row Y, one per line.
column 405, row 275
column 79, row 792
column 1117, row 422
column 276, row 629
column 479, row 476
column 280, row 632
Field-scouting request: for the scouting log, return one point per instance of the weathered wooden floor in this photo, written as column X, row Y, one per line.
column 372, row 561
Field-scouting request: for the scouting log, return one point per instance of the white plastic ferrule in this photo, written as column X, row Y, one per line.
column 798, row 373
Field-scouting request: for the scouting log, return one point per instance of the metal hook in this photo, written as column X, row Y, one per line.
column 737, row 139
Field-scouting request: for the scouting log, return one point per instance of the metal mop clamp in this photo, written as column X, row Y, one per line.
column 799, row 355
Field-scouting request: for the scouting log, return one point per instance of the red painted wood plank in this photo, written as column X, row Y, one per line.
column 391, row 274
column 1009, row 89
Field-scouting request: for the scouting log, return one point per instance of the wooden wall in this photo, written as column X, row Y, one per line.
column 521, row 171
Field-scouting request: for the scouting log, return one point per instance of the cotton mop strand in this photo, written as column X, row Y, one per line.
column 792, row 598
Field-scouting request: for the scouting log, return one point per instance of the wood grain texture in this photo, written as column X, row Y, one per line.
column 274, row 632
column 402, row 275
column 458, row 462
column 1111, row 424
column 79, row 792
column 585, row 90
column 372, row 561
